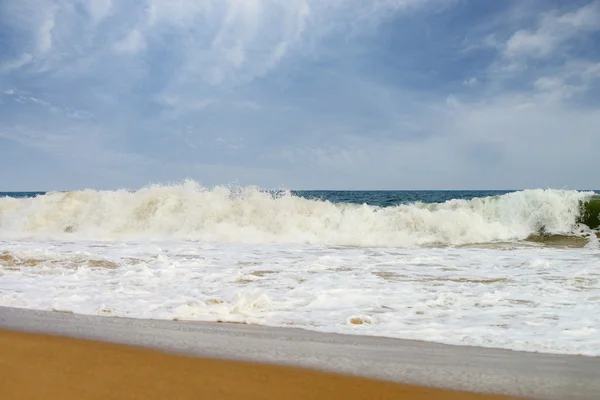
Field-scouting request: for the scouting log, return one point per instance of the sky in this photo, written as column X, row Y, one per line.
column 300, row 94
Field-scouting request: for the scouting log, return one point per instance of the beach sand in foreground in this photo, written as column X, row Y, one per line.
column 37, row 366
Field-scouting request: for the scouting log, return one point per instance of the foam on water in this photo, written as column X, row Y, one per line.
column 191, row 212
column 281, row 260
column 524, row 298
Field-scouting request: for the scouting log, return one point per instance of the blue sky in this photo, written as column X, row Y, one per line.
column 304, row 94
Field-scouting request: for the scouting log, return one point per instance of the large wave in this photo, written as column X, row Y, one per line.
column 189, row 211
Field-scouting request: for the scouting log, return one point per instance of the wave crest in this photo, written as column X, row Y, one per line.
column 189, row 211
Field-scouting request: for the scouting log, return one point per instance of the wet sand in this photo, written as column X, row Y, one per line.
column 461, row 368
column 36, row 366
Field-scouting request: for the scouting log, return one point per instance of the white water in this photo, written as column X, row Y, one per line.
column 292, row 271
column 190, row 212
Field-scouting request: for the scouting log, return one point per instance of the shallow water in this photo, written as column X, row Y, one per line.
column 521, row 297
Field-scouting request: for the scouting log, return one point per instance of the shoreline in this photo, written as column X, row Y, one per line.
column 473, row 369
column 54, row 367
column 5, row 309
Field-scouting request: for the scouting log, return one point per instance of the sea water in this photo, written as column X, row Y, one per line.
column 497, row 269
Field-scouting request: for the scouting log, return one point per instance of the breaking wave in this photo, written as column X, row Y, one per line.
column 189, row 211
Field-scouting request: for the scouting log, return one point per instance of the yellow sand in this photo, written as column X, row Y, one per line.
column 47, row 367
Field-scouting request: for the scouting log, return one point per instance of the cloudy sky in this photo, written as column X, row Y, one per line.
column 338, row 94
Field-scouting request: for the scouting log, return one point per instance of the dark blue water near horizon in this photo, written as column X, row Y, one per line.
column 381, row 198
column 21, row 194
column 386, row 198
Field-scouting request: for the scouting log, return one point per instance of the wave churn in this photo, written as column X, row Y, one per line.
column 189, row 211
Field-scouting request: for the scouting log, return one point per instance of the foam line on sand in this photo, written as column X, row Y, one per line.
column 532, row 375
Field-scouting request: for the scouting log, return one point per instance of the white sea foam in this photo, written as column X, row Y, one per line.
column 191, row 212
column 279, row 260
column 532, row 297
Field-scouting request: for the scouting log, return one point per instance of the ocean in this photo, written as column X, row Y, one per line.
column 504, row 269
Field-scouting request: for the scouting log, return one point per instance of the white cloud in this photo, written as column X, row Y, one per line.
column 496, row 144
column 251, row 39
column 35, row 25
column 575, row 77
column 552, row 32
column 230, row 89
column 539, row 65
column 221, row 41
column 530, row 44
column 44, row 36
column 541, row 145
column 554, row 89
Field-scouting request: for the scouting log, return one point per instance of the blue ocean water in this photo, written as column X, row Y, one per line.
column 386, row 198
column 18, row 195
column 381, row 198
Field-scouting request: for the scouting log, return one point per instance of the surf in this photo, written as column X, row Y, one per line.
column 189, row 211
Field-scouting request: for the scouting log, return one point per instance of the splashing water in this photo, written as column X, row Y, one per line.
column 454, row 272
column 191, row 212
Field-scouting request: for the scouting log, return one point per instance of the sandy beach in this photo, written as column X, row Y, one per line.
column 41, row 366
column 167, row 359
